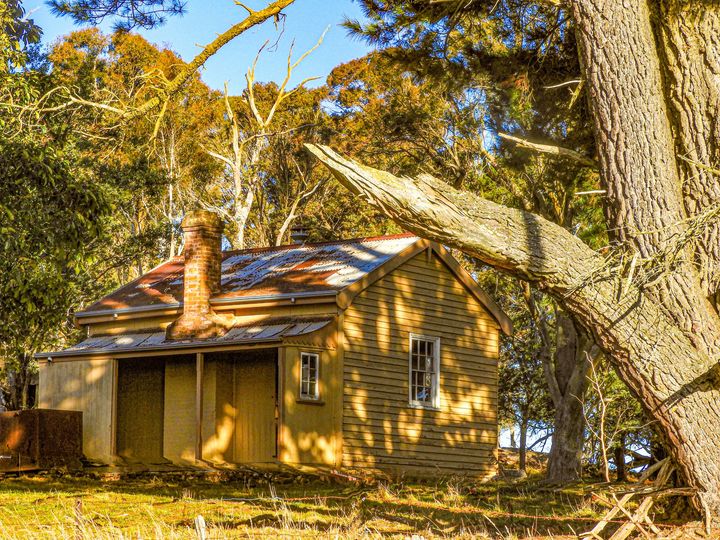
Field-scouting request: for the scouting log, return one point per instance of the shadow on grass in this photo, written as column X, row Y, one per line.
column 523, row 510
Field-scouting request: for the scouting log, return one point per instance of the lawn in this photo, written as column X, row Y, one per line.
column 150, row 507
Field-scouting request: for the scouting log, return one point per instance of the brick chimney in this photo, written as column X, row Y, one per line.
column 203, row 257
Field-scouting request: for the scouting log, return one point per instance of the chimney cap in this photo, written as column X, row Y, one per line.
column 299, row 233
column 201, row 219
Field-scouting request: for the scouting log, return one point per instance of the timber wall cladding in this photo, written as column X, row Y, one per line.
column 380, row 429
column 87, row 386
column 311, row 431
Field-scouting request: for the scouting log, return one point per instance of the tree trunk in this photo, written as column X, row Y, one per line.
column 566, row 375
column 690, row 51
column 669, row 370
column 637, row 153
column 522, row 454
column 570, row 374
column 621, row 473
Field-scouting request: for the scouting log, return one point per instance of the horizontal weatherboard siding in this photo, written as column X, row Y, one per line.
column 380, row 428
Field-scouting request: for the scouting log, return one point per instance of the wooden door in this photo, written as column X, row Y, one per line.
column 140, row 410
column 255, row 404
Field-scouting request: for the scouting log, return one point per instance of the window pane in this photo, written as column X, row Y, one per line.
column 427, row 364
column 308, row 375
column 423, row 370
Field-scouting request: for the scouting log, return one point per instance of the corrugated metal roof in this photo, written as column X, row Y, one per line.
column 309, row 269
column 269, row 331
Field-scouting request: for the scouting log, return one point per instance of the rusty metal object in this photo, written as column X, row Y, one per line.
column 39, row 439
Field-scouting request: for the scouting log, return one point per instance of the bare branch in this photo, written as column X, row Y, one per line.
column 550, row 149
column 254, row 18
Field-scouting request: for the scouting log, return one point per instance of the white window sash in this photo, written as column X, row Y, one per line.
column 434, row 402
column 309, row 374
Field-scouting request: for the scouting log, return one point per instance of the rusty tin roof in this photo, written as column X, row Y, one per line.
column 264, row 273
column 269, row 331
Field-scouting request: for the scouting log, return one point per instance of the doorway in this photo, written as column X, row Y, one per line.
column 256, row 396
column 140, row 409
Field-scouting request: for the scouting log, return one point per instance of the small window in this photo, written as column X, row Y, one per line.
column 424, row 371
column 309, row 375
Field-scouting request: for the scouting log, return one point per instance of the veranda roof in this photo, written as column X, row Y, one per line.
column 268, row 331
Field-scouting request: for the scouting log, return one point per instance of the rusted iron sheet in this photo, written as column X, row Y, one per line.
column 38, row 439
column 265, row 272
column 270, row 330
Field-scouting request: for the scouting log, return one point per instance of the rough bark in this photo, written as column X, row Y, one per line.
column 689, row 33
column 636, row 151
column 574, row 352
column 675, row 379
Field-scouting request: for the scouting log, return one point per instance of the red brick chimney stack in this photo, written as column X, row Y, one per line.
column 203, row 258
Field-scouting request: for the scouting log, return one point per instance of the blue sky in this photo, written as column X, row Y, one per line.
column 305, row 22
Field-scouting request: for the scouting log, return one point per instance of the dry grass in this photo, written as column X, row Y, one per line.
column 55, row 508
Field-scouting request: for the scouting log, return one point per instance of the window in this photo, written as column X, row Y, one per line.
column 309, row 371
column 424, row 371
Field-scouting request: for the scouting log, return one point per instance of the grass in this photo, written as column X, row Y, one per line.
column 68, row 507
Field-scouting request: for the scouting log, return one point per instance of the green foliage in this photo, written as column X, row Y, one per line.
column 127, row 14
column 51, row 213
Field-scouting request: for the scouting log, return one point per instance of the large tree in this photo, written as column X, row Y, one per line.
column 650, row 303
column 506, row 74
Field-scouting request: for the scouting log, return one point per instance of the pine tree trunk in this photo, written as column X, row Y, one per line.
column 647, row 211
column 689, row 34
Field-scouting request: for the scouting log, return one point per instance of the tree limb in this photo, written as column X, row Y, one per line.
column 551, row 149
column 521, row 243
column 253, row 19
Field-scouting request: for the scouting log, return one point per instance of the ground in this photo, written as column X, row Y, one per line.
column 64, row 506
column 101, row 505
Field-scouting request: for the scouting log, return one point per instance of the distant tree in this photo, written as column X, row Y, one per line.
column 252, row 121
column 523, row 399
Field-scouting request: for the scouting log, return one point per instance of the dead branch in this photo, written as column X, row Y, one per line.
column 254, row 18
column 558, row 151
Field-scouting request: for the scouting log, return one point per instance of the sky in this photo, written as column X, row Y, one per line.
column 204, row 19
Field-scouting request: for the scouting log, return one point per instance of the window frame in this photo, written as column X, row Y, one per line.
column 306, row 397
column 435, row 398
